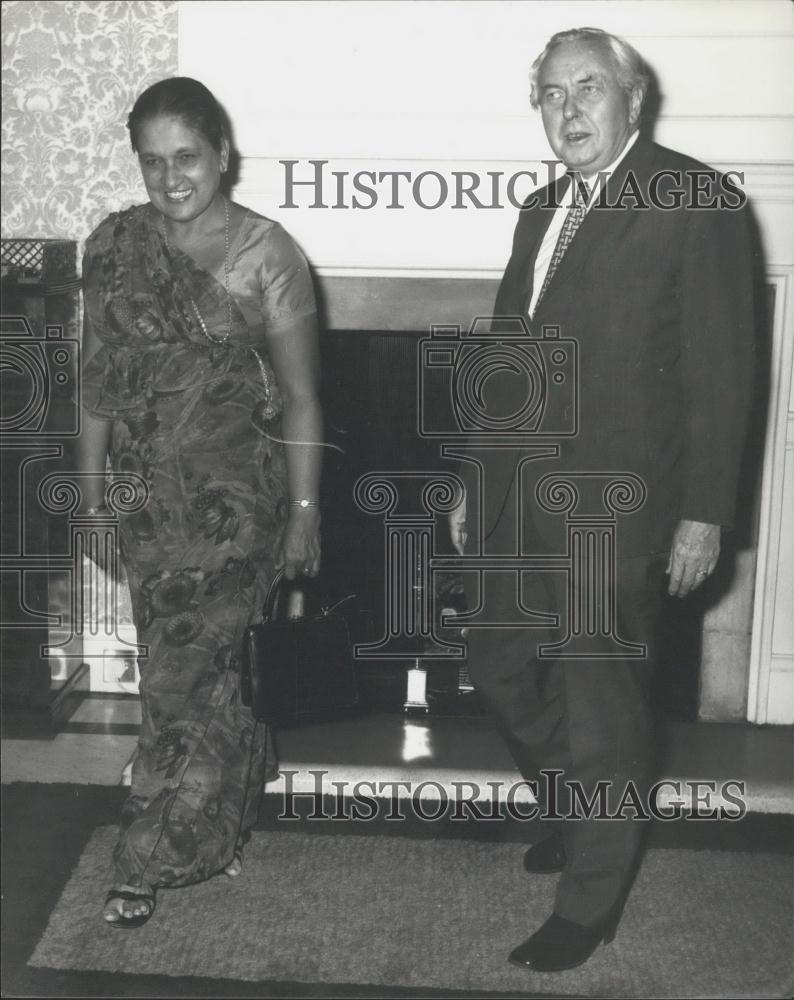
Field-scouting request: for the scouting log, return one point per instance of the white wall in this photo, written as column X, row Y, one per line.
column 416, row 86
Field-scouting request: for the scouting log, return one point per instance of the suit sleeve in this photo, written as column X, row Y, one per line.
column 717, row 343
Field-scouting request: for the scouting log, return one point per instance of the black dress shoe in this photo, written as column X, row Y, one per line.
column 546, row 856
column 561, row 944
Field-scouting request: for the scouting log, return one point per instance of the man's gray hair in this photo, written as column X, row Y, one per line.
column 630, row 68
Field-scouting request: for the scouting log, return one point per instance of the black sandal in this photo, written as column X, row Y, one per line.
column 127, row 923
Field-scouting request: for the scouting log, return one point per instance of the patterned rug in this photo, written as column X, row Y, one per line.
column 392, row 911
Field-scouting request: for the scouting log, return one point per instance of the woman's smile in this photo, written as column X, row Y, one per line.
column 180, row 168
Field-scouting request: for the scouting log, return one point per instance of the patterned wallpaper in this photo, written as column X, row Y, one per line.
column 71, row 72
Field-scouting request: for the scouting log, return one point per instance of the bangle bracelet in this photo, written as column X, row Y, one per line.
column 304, row 503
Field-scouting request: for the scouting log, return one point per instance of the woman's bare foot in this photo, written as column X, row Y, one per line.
column 235, row 866
column 126, row 906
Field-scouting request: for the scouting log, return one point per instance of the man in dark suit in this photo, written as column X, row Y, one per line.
column 642, row 256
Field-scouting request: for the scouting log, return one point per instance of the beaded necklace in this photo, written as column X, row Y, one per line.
column 200, row 318
column 193, row 306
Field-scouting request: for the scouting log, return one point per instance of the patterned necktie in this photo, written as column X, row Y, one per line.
column 573, row 220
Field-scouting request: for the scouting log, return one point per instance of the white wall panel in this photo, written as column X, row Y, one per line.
column 444, row 86
column 783, row 615
column 771, row 680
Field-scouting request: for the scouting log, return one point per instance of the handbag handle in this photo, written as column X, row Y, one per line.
column 269, row 605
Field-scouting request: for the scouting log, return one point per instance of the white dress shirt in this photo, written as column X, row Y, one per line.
column 546, row 250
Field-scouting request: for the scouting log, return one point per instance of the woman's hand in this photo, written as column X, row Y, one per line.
column 299, row 549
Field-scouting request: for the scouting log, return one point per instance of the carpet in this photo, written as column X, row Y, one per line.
column 393, row 911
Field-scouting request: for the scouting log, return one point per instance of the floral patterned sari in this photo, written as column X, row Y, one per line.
column 196, row 416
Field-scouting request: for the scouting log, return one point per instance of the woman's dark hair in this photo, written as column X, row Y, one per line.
column 184, row 98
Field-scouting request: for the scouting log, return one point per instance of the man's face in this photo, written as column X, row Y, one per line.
column 588, row 118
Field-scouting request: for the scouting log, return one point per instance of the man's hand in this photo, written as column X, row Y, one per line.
column 457, row 526
column 693, row 556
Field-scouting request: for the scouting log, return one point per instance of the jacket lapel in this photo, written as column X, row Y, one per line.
column 598, row 224
column 518, row 283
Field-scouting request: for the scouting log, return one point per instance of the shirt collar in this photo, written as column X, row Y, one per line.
column 595, row 181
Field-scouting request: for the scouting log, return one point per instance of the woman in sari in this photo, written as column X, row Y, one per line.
column 201, row 379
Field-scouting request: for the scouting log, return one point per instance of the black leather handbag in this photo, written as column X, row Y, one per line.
column 297, row 669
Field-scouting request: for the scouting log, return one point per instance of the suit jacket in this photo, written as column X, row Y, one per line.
column 660, row 303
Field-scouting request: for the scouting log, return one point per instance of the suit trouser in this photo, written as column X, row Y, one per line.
column 588, row 718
